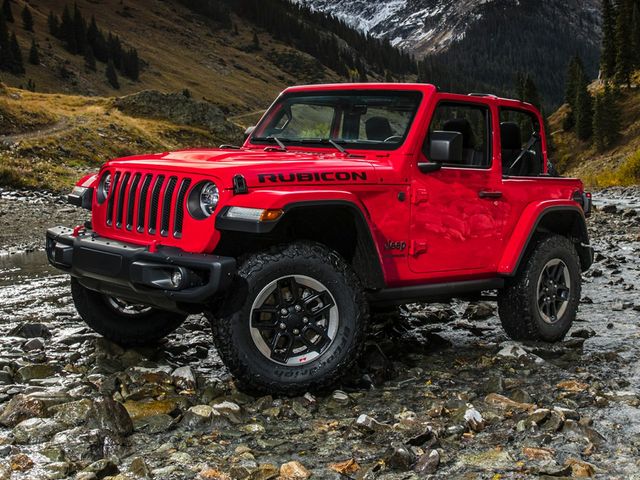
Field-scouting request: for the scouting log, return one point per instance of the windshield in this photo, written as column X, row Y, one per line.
column 353, row 119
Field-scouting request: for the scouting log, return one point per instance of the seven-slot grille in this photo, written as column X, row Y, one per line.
column 147, row 203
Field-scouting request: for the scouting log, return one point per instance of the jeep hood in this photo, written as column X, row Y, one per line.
column 260, row 168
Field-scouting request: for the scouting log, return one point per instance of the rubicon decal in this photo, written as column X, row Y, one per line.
column 311, row 177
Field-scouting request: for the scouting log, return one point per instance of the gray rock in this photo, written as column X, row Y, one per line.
column 73, row 414
column 399, row 457
column 31, row 330
column 102, row 468
column 479, row 311
column 139, row 468
column 33, row 344
column 36, row 371
column 36, row 430
column 427, row 463
column 110, row 415
column 5, row 378
column 183, row 378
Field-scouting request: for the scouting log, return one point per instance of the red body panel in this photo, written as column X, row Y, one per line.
column 450, row 232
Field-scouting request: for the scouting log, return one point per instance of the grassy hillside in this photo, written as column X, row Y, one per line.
column 618, row 165
column 179, row 49
column 48, row 141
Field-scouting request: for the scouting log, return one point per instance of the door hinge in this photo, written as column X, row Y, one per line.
column 419, row 195
column 417, row 247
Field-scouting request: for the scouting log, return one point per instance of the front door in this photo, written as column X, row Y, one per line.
column 456, row 211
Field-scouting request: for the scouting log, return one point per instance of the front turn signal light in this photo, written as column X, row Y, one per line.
column 271, row 215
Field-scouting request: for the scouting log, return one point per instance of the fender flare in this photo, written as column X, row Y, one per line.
column 532, row 220
column 371, row 272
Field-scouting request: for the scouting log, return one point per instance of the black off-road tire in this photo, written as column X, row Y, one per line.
column 518, row 302
column 253, row 371
column 127, row 330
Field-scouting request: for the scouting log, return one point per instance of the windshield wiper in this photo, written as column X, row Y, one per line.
column 278, row 141
column 337, row 145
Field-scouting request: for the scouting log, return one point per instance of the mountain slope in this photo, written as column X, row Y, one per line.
column 618, row 165
column 481, row 44
column 182, row 45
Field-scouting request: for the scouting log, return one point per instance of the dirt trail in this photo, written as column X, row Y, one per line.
column 60, row 126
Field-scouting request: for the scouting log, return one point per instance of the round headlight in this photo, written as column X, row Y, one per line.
column 209, row 197
column 104, row 187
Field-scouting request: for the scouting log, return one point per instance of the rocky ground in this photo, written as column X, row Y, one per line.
column 441, row 392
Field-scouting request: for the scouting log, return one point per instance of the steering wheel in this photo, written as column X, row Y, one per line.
column 393, row 138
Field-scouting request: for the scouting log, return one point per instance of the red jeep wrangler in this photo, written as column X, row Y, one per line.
column 342, row 197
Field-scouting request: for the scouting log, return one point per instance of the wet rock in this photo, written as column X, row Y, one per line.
column 80, row 444
column 154, row 424
column 37, row 371
column 101, row 469
column 183, row 378
column 58, row 470
column 33, row 344
column 72, row 414
column 474, row 420
column 500, row 401
column 490, row 460
column 21, row 407
column 427, row 463
column 584, row 333
column 399, row 457
column 110, row 415
column 139, row 468
column 494, row 384
column 609, row 208
column 572, row 386
column 479, row 311
column 294, row 471
column 581, row 469
column 31, row 330
column 20, row 463
column 5, row 378
column 36, row 430
column 148, row 408
column 339, row 397
column 348, row 467
column 366, row 423
column 534, row 453
column 207, row 474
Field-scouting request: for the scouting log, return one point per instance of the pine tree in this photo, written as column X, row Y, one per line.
column 599, row 123
column 6, row 59
column 635, row 34
column 112, row 75
column 584, row 110
column 31, row 85
column 624, row 46
column 529, row 91
column 54, row 24
column 609, row 50
column 79, row 29
column 89, row 59
column 575, row 72
column 67, row 32
column 27, row 19
column 256, row 41
column 34, row 55
column 17, row 65
column 132, row 64
column 6, row 10
column 612, row 115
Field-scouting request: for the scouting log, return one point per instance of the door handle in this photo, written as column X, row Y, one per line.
column 485, row 194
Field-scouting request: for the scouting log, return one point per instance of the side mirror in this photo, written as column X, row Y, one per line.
column 442, row 148
column 248, row 132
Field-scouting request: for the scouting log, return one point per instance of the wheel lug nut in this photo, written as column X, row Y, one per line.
column 298, row 308
column 283, row 326
column 284, row 312
column 305, row 320
column 296, row 331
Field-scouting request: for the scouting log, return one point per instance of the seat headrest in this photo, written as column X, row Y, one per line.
column 461, row 125
column 510, row 136
column 378, row 129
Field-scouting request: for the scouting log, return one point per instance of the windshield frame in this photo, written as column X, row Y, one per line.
column 322, row 143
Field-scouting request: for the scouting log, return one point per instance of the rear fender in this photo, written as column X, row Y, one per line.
column 563, row 217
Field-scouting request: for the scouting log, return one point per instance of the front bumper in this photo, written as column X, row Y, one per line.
column 169, row 278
